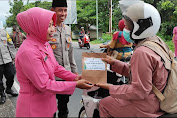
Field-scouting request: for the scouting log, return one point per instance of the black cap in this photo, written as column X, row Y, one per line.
column 59, row 3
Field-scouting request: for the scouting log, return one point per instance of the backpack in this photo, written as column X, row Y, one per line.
column 168, row 100
column 111, row 51
column 119, row 53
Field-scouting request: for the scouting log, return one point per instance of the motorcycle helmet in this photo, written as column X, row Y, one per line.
column 145, row 20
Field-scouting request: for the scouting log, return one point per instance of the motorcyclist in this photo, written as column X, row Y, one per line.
column 119, row 43
column 81, row 35
column 137, row 99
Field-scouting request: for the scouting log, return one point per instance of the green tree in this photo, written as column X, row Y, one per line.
column 168, row 13
column 16, row 5
column 86, row 14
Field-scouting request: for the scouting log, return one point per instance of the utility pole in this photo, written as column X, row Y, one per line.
column 27, row 2
column 110, row 17
column 97, row 19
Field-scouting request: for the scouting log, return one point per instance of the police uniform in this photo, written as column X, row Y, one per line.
column 7, row 54
column 62, row 47
column 63, row 51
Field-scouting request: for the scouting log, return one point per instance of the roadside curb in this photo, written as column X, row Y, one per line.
column 7, row 109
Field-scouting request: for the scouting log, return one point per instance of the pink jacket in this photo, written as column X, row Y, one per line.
column 37, row 67
column 146, row 69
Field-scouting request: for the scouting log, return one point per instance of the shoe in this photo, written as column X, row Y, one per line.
column 54, row 115
column 10, row 91
column 3, row 98
column 63, row 114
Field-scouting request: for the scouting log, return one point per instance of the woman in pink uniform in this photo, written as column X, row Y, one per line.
column 145, row 69
column 175, row 39
column 37, row 67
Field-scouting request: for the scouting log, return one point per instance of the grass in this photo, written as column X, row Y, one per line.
column 105, row 37
column 168, row 41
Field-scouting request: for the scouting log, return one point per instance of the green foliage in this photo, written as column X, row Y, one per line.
column 167, row 5
column 18, row 6
column 86, row 14
column 170, row 44
column 168, row 40
column 167, row 11
column 105, row 37
column 26, row 7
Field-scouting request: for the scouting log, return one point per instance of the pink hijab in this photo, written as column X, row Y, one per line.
column 35, row 22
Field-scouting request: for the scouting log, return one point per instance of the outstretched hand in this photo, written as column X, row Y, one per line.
column 101, row 46
column 109, row 60
column 105, row 86
column 78, row 77
column 84, row 84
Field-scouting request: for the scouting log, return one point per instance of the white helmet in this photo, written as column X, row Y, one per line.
column 146, row 20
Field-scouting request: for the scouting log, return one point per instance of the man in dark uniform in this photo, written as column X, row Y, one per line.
column 63, row 50
column 7, row 56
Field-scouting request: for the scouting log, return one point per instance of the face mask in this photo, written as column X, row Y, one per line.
column 126, row 34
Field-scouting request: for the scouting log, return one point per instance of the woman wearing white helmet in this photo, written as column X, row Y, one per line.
column 145, row 69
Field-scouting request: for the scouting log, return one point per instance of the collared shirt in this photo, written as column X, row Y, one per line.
column 62, row 47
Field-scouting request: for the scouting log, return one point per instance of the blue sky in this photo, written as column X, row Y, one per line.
column 4, row 8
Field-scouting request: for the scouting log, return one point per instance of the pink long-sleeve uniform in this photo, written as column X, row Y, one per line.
column 136, row 99
column 37, row 67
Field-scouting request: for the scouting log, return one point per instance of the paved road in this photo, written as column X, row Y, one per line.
column 74, row 104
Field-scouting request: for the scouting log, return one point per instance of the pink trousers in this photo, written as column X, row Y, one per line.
column 110, row 107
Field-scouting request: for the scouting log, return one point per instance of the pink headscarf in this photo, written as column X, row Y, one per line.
column 35, row 22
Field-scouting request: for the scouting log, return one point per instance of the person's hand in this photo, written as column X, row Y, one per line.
column 76, row 73
column 84, row 84
column 109, row 60
column 105, row 86
column 78, row 77
column 13, row 61
column 101, row 46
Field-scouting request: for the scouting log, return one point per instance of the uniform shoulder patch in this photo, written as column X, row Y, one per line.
column 54, row 46
column 53, row 40
column 8, row 38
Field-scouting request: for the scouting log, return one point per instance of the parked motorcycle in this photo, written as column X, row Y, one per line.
column 85, row 42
